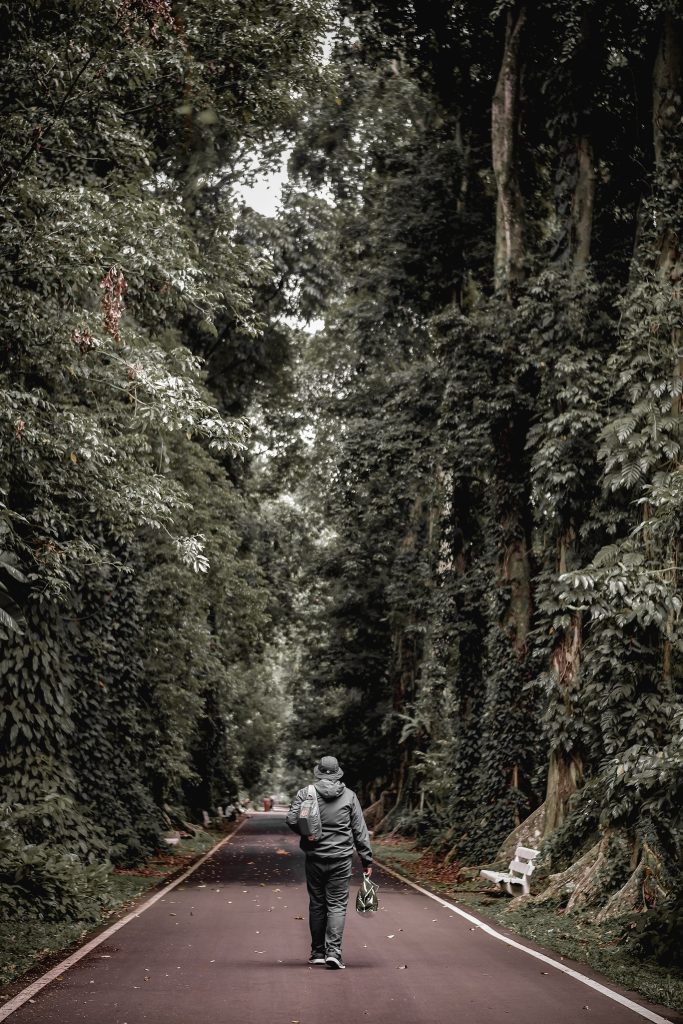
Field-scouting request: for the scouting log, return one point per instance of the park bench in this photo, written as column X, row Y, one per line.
column 520, row 868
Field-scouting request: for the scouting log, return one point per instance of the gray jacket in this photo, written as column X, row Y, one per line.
column 342, row 821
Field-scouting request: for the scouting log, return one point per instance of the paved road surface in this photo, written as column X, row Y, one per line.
column 229, row 946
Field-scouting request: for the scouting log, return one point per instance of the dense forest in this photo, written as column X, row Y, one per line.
column 395, row 474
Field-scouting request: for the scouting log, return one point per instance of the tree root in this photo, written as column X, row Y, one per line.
column 642, row 890
column 376, row 814
column 587, row 882
column 528, row 833
column 628, row 899
column 562, row 886
column 590, row 886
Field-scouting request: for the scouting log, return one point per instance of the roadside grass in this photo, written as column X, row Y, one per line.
column 574, row 937
column 28, row 942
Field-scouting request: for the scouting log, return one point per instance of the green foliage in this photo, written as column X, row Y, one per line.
column 134, row 612
column 497, row 472
column 657, row 934
column 47, row 877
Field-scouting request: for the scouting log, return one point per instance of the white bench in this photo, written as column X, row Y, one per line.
column 520, row 868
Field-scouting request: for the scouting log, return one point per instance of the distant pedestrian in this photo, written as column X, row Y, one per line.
column 328, row 859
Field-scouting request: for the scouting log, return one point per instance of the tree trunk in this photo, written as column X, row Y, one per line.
column 565, row 768
column 407, row 656
column 565, row 776
column 666, row 86
column 582, row 207
column 510, row 270
column 587, row 58
column 666, row 113
column 515, row 572
column 509, row 254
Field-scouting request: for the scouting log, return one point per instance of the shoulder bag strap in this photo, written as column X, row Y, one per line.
column 314, row 796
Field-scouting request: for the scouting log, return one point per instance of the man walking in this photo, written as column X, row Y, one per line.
column 328, row 859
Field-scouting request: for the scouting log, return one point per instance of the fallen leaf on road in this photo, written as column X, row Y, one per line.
column 390, row 936
column 402, row 967
column 298, row 918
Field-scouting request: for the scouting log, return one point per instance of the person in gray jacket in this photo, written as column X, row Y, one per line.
column 328, row 859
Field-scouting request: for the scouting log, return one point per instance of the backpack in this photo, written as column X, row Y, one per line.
column 308, row 818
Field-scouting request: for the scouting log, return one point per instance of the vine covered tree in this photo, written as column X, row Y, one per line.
column 136, row 613
column 495, row 395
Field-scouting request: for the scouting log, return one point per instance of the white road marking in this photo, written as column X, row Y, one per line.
column 28, row 993
column 616, row 996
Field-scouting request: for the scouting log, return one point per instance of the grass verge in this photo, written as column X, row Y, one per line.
column 574, row 937
column 28, row 943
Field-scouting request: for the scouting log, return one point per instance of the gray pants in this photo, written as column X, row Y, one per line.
column 328, row 891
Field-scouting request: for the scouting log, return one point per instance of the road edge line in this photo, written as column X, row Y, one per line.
column 31, row 990
column 616, row 996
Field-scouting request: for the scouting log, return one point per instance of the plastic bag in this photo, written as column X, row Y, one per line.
column 367, row 901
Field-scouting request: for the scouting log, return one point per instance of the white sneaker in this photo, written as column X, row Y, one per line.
column 316, row 959
column 333, row 963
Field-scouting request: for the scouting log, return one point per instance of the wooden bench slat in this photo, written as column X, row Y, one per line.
column 495, row 876
column 521, row 866
column 526, row 852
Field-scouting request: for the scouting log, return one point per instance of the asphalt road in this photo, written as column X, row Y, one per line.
column 229, row 946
